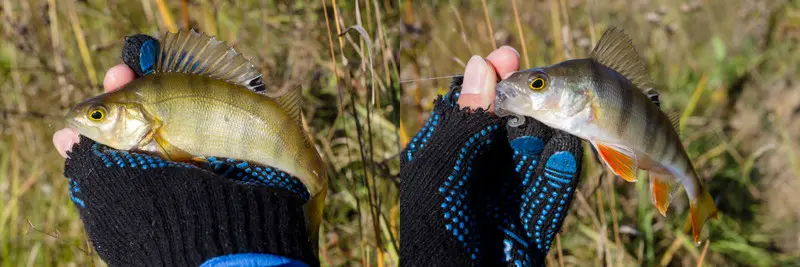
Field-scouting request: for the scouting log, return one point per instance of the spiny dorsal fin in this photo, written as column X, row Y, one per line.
column 675, row 120
column 195, row 53
column 290, row 101
column 655, row 98
column 615, row 50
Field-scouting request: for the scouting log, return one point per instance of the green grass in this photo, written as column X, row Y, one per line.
column 54, row 53
column 728, row 67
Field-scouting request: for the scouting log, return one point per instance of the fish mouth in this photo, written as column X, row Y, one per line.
column 503, row 94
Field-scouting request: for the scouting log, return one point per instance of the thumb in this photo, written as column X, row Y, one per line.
column 478, row 88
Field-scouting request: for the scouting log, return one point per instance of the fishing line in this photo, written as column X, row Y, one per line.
column 434, row 78
column 6, row 112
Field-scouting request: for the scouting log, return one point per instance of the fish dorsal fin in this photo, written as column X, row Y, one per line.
column 195, row 53
column 291, row 101
column 675, row 120
column 655, row 98
column 615, row 50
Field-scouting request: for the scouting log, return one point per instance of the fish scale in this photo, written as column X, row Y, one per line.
column 608, row 100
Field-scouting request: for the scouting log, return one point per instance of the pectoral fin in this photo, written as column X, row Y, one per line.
column 620, row 159
column 663, row 188
column 171, row 152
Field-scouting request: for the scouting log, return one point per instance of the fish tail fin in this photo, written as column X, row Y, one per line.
column 313, row 211
column 663, row 187
column 701, row 209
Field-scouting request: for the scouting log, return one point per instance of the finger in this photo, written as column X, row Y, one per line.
column 116, row 77
column 64, row 139
column 549, row 192
column 505, row 61
column 478, row 88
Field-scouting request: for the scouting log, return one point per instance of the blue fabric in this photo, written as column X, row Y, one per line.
column 252, row 260
column 147, row 55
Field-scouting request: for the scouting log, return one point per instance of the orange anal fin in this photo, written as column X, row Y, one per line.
column 662, row 187
column 701, row 209
column 621, row 160
column 170, row 151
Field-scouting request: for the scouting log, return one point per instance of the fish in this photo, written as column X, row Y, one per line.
column 202, row 99
column 609, row 101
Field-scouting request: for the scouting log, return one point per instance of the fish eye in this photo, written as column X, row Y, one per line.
column 537, row 83
column 97, row 113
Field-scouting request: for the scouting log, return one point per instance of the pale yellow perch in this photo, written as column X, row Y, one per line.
column 608, row 100
column 201, row 101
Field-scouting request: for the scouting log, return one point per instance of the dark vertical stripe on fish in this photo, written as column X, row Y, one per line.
column 661, row 138
column 597, row 81
column 677, row 156
column 670, row 148
column 652, row 119
column 157, row 87
column 681, row 165
column 234, row 94
column 194, row 84
column 626, row 107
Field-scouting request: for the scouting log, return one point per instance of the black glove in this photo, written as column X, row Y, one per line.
column 140, row 210
column 473, row 191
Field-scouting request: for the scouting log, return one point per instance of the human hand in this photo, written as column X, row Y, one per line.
column 480, row 77
column 473, row 187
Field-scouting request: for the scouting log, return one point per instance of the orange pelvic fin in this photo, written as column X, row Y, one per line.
column 662, row 188
column 701, row 209
column 620, row 159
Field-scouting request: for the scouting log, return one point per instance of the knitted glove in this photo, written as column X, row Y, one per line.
column 140, row 210
column 477, row 192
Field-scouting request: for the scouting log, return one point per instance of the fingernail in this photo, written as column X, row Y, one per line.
column 474, row 76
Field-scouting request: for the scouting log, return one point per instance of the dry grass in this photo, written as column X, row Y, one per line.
column 728, row 66
column 54, row 53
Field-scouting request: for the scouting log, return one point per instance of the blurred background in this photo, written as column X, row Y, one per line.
column 729, row 68
column 54, row 53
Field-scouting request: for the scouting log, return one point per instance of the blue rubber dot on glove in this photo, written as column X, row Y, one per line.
column 527, row 145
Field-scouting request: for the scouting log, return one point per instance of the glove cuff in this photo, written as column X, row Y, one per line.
column 144, row 211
